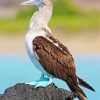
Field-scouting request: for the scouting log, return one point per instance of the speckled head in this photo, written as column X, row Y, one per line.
column 37, row 3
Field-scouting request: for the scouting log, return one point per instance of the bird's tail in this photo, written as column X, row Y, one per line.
column 75, row 88
column 81, row 94
column 85, row 84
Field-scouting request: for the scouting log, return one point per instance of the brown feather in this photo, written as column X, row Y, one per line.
column 56, row 61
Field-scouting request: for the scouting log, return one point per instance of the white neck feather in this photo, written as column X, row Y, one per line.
column 41, row 18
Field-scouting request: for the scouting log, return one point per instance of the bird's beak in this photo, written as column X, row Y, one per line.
column 29, row 2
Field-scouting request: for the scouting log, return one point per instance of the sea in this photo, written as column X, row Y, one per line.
column 19, row 69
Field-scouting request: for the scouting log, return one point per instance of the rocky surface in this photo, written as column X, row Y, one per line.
column 0, row 96
column 27, row 92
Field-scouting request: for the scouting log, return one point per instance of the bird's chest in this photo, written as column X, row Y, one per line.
column 28, row 41
column 32, row 54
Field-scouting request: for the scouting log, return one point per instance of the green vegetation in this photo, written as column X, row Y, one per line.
column 65, row 15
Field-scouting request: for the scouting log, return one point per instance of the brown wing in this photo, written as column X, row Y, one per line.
column 54, row 60
column 58, row 62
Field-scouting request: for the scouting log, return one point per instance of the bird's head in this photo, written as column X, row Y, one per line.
column 37, row 3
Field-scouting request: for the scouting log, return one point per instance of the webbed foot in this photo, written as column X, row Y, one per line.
column 42, row 82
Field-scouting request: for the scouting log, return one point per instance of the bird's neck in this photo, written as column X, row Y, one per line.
column 41, row 18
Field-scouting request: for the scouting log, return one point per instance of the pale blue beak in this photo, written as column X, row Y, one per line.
column 30, row 2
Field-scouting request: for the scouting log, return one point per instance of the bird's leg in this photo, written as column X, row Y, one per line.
column 36, row 81
column 43, row 81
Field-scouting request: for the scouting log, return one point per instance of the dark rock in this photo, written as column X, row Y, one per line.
column 0, row 96
column 27, row 92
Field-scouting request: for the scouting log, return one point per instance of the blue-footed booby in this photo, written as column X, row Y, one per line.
column 49, row 55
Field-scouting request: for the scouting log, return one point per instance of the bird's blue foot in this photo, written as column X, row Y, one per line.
column 42, row 82
column 32, row 83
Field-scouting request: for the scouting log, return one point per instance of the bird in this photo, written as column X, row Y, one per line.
column 48, row 54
